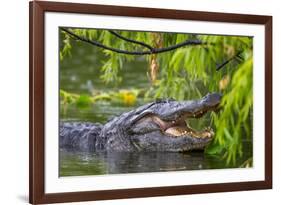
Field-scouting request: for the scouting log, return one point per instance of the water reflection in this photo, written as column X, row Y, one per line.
column 79, row 163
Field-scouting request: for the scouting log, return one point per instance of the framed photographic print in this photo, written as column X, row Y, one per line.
column 137, row 102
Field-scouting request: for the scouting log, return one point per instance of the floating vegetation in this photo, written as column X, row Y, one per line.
column 124, row 97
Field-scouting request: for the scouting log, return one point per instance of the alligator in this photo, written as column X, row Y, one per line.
column 157, row 126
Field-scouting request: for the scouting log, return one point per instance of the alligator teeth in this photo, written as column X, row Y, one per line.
column 179, row 131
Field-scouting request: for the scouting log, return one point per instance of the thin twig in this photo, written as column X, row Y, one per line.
column 229, row 60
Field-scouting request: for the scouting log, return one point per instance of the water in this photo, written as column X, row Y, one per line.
column 79, row 163
column 80, row 74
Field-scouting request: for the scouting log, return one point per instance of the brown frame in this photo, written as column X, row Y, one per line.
column 37, row 93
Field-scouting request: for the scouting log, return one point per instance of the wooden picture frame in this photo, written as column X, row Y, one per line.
column 37, row 10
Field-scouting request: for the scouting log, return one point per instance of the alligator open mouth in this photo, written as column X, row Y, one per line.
column 166, row 124
column 181, row 127
column 177, row 125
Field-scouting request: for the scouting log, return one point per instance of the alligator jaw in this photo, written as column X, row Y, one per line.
column 185, row 130
column 174, row 124
column 179, row 128
column 170, row 117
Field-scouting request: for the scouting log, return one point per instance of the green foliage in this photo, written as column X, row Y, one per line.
column 65, row 45
column 185, row 73
column 111, row 68
column 234, row 122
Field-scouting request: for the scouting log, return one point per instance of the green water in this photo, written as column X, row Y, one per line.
column 80, row 74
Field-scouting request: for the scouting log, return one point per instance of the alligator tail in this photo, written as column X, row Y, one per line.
column 79, row 136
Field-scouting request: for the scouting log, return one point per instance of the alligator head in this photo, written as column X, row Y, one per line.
column 160, row 126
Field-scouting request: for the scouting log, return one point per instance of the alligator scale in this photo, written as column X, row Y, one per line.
column 157, row 126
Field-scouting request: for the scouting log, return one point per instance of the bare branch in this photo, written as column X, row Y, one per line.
column 151, row 51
